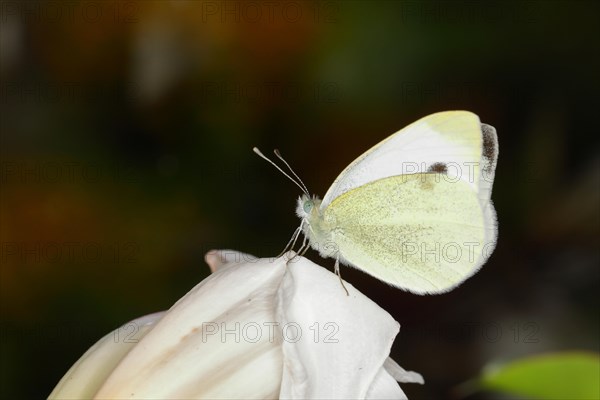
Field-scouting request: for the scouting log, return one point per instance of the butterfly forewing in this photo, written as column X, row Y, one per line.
column 449, row 142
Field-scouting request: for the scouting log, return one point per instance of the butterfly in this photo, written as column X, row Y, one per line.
column 413, row 211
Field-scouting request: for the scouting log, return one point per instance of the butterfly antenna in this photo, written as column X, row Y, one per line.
column 278, row 154
column 302, row 187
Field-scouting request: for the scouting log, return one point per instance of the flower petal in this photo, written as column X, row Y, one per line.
column 385, row 387
column 206, row 345
column 233, row 334
column 86, row 376
column 344, row 340
column 400, row 374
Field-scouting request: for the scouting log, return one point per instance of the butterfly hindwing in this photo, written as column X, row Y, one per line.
column 421, row 232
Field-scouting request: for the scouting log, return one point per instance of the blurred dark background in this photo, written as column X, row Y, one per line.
column 126, row 137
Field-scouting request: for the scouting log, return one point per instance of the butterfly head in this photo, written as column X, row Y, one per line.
column 308, row 207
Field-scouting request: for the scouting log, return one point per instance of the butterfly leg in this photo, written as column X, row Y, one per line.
column 336, row 268
column 292, row 240
column 297, row 233
column 302, row 248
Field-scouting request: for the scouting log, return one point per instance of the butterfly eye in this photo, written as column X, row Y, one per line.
column 308, row 205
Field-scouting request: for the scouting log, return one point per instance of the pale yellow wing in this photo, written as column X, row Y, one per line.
column 449, row 140
column 425, row 233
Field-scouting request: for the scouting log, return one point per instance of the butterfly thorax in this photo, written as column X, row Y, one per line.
column 315, row 226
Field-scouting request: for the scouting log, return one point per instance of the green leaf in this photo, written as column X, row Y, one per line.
column 569, row 375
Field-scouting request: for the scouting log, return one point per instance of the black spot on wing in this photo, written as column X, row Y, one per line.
column 438, row 167
column 490, row 151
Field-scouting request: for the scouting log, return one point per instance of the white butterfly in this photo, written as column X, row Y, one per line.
column 413, row 211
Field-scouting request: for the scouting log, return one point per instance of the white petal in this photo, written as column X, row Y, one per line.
column 400, row 374
column 219, row 258
column 89, row 372
column 183, row 358
column 385, row 387
column 344, row 339
column 224, row 340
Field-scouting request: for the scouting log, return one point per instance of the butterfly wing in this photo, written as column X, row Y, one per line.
column 424, row 232
column 453, row 142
